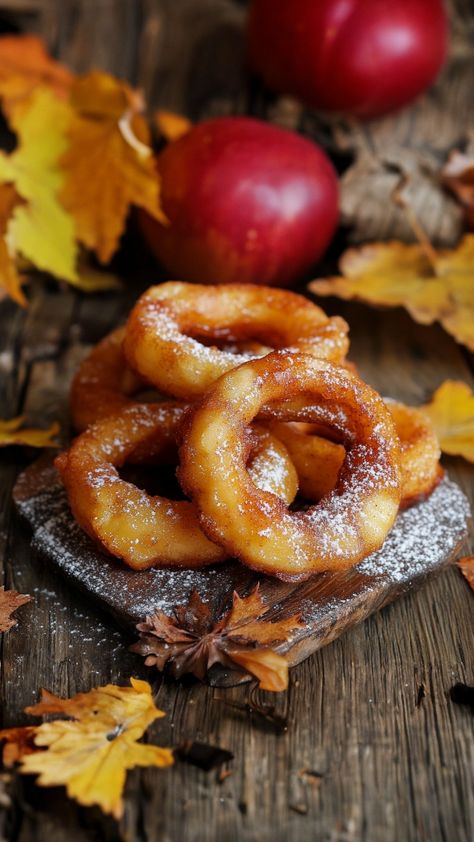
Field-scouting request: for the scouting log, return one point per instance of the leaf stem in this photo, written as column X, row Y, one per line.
column 399, row 199
column 128, row 135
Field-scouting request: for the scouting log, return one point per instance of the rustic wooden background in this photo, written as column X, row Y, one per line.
column 369, row 715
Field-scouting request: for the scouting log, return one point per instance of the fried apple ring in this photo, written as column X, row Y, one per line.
column 103, row 384
column 420, row 451
column 162, row 341
column 148, row 531
column 318, row 460
column 257, row 527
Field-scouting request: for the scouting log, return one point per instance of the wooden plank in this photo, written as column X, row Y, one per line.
column 352, row 707
column 391, row 769
column 423, row 542
column 177, row 43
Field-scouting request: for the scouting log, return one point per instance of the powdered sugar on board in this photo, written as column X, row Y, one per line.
column 424, row 540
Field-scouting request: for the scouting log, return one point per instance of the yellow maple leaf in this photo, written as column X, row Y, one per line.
column 171, row 126
column 109, row 164
column 12, row 432
column 398, row 275
column 451, row 410
column 40, row 229
column 90, row 753
column 10, row 280
column 25, row 64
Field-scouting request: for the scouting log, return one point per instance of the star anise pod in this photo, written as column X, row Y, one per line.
column 188, row 641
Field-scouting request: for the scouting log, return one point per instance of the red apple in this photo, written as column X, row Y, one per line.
column 362, row 57
column 247, row 202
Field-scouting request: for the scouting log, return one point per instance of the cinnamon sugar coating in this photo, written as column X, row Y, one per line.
column 125, row 520
column 103, row 384
column 257, row 527
column 318, row 460
column 170, row 328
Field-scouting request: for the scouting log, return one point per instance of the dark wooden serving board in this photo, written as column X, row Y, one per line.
column 424, row 540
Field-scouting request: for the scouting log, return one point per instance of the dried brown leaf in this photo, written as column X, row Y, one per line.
column 244, row 609
column 189, row 642
column 18, row 743
column 458, row 176
column 9, row 602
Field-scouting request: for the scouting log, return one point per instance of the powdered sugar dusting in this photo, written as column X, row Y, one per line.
column 421, row 541
column 422, row 536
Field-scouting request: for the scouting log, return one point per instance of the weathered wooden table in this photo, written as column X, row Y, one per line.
column 390, row 757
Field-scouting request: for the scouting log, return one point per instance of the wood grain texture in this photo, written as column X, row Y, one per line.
column 390, row 769
column 423, row 542
column 393, row 767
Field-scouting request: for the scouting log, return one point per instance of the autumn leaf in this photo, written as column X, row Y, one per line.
column 188, row 642
column 9, row 602
column 90, row 753
column 171, row 126
column 10, row 280
column 40, row 229
column 451, row 411
column 245, row 620
column 25, row 64
column 458, row 176
column 268, row 666
column 466, row 566
column 394, row 274
column 109, row 164
column 12, row 432
column 18, row 742
column 90, row 279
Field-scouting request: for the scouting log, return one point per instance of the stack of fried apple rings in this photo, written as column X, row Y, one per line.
column 288, row 460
